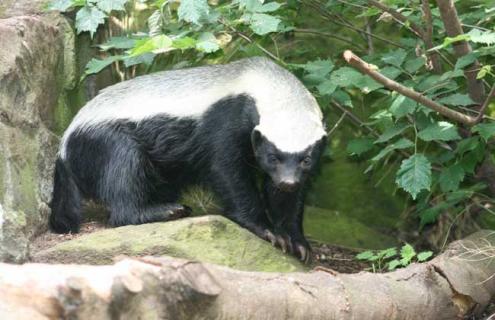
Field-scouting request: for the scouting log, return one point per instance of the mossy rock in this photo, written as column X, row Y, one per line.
column 337, row 228
column 213, row 239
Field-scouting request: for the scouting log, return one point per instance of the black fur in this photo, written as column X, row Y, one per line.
column 138, row 170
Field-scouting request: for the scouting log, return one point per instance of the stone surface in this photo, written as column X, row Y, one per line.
column 32, row 64
column 213, row 239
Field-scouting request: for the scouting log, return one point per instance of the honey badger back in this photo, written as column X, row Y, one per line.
column 137, row 144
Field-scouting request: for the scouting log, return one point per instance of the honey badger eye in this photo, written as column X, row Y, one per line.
column 306, row 161
column 272, row 159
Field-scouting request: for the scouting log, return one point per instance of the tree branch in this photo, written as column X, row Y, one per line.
column 330, row 35
column 428, row 37
column 453, row 28
column 370, row 70
column 454, row 285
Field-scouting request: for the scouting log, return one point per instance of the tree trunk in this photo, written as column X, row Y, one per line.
column 457, row 283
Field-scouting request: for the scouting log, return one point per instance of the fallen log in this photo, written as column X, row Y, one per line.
column 457, row 283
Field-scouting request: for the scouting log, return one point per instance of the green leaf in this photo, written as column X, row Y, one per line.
column 485, row 130
column 402, row 106
column 359, row 146
column 343, row 98
column 414, row 174
column 118, row 43
column 146, row 58
column 387, row 253
column 466, row 60
column 96, row 65
column 414, row 65
column 425, row 255
column 399, row 144
column 457, row 99
column 318, row 69
column 485, row 37
column 157, row 44
column 345, row 77
column 430, row 215
column 484, row 71
column 392, row 132
column 441, row 130
column 111, row 5
column 207, row 43
column 263, row 24
column 326, row 88
column 467, row 144
column 366, row 255
column 407, row 253
column 451, row 177
column 88, row 18
column 392, row 265
column 395, row 58
column 450, row 40
column 194, row 11
column 184, row 43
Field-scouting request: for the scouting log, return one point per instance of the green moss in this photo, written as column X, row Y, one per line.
column 211, row 239
column 337, row 228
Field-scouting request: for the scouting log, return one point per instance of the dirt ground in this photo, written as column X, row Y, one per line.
column 324, row 255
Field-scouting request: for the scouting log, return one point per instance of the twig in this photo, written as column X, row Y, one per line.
column 354, row 118
column 398, row 16
column 370, row 70
column 337, row 124
column 485, row 104
column 317, row 6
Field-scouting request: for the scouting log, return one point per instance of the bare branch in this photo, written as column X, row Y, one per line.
column 370, row 70
column 428, row 37
column 453, row 28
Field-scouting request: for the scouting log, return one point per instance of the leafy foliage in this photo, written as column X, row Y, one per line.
column 392, row 259
column 433, row 159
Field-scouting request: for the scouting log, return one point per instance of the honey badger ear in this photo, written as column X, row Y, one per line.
column 256, row 138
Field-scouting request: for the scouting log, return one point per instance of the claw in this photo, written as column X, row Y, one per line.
column 270, row 237
column 282, row 243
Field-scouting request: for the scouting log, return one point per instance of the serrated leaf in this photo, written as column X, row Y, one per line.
column 424, row 255
column 345, row 77
column 457, row 99
column 395, row 58
column 485, row 130
column 96, row 65
column 399, row 144
column 392, row 132
column 263, row 24
column 387, row 253
column 318, row 68
column 111, row 5
column 392, row 265
column 207, row 43
column 359, row 146
column 467, row 144
column 450, row 40
column 485, row 37
column 451, row 177
column 414, row 174
column 367, row 84
column 194, row 11
column 343, row 98
column 402, row 106
column 88, row 18
column 429, row 215
column 366, row 255
column 155, row 23
column 441, row 130
column 407, row 253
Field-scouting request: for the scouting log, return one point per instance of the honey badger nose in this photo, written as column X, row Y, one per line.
column 288, row 185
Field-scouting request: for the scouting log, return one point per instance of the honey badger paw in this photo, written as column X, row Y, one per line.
column 296, row 245
column 177, row 211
